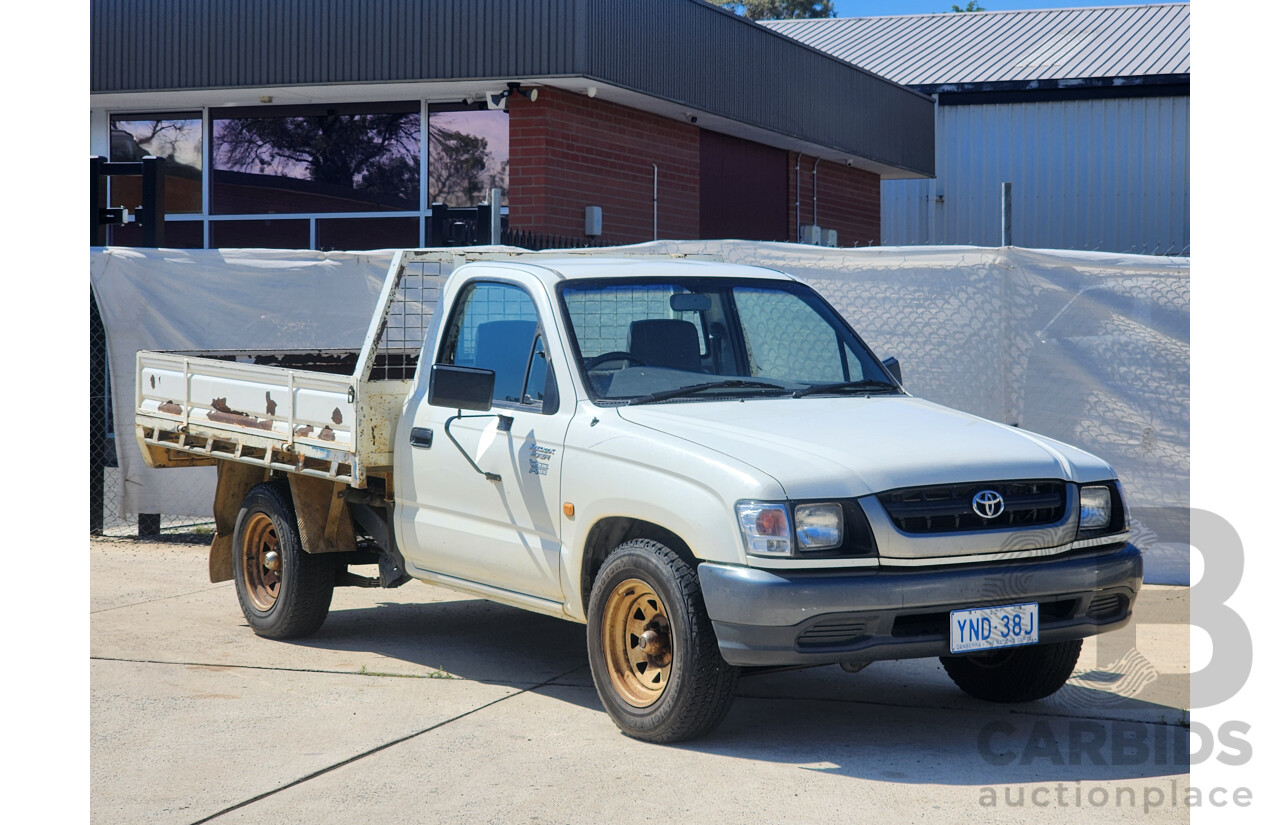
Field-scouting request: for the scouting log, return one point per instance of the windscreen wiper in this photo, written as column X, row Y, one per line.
column 872, row 384
column 694, row 389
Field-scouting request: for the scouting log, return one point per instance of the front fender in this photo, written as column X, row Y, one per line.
column 668, row 482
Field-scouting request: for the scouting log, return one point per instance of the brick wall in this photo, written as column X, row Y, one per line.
column 569, row 151
column 848, row 200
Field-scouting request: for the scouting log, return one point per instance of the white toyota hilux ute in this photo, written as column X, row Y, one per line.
column 702, row 462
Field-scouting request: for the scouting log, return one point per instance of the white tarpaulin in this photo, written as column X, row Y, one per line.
column 1088, row 348
column 218, row 299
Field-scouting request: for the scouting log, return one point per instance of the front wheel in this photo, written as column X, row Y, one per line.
column 1019, row 674
column 284, row 591
column 653, row 653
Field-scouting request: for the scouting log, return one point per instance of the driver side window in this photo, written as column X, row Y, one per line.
column 495, row 326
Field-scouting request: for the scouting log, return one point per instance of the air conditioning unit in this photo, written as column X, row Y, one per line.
column 811, row 234
column 829, row 237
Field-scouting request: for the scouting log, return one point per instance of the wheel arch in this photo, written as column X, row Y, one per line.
column 323, row 520
column 610, row 532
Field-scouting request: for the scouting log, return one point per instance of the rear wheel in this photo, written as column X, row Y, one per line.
column 653, row 653
column 1019, row 674
column 284, row 592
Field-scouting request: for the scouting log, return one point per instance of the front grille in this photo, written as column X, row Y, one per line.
column 948, row 508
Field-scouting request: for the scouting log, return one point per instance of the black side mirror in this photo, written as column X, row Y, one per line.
column 895, row 369
column 462, row 388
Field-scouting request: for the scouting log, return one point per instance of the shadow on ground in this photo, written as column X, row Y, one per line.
column 899, row 721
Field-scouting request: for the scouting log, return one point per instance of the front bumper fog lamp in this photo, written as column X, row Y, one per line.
column 819, row 526
column 1095, row 508
column 766, row 527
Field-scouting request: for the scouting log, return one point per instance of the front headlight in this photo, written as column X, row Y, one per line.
column 1103, row 510
column 805, row 529
column 819, row 526
column 766, row 527
column 1095, row 508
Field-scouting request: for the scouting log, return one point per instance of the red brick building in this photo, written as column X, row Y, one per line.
column 663, row 118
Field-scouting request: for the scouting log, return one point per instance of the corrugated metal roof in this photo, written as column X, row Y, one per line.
column 1003, row 46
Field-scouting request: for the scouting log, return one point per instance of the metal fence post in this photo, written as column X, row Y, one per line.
column 152, row 201
column 484, row 227
column 148, row 525
column 1006, row 213
column 436, row 227
column 495, row 215
column 97, row 200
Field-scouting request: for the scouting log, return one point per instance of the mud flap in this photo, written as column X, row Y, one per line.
column 235, row 480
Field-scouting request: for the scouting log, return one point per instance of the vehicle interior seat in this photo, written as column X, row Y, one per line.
column 504, row 346
column 666, row 342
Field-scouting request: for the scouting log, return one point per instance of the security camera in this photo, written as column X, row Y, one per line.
column 849, row 163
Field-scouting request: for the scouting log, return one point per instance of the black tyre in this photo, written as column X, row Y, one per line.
column 1019, row 674
column 283, row 591
column 652, row 650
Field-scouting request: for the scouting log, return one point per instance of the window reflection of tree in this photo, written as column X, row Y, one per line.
column 376, row 153
column 178, row 141
column 460, row 168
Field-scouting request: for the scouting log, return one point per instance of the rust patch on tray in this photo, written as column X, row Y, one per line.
column 225, row 415
column 327, row 433
column 171, row 408
column 337, row 416
column 271, row 405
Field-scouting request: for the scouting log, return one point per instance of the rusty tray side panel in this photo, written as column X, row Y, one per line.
column 219, row 408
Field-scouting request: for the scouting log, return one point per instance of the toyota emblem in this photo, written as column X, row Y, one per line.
column 988, row 503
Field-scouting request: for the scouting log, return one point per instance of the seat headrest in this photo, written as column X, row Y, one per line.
column 670, row 343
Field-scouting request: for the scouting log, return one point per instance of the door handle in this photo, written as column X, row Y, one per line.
column 421, row 437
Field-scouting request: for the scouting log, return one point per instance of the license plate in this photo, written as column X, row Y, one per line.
column 987, row 628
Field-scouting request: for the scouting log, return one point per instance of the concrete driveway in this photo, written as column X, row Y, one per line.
column 422, row 705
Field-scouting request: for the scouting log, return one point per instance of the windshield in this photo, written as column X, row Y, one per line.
column 641, row 340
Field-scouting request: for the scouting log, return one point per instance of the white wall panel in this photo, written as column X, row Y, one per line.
column 1110, row 175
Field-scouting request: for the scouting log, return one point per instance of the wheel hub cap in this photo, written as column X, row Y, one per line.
column 261, row 561
column 637, row 643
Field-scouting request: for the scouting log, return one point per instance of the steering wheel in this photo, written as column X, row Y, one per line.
column 618, row 355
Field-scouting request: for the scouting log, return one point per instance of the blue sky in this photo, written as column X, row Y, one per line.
column 876, row 8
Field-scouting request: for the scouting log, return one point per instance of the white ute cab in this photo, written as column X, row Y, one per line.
column 703, row 462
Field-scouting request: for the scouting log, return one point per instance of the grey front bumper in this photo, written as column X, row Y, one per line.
column 776, row 618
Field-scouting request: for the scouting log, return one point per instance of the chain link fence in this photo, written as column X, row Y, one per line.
column 106, row 481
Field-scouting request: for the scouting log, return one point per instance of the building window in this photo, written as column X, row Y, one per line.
column 176, row 137
column 341, row 176
column 316, row 159
column 468, row 151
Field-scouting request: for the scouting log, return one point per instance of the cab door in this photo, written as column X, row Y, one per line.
column 456, row 522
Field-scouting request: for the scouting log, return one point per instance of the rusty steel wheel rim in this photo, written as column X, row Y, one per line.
column 638, row 648
column 260, row 557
